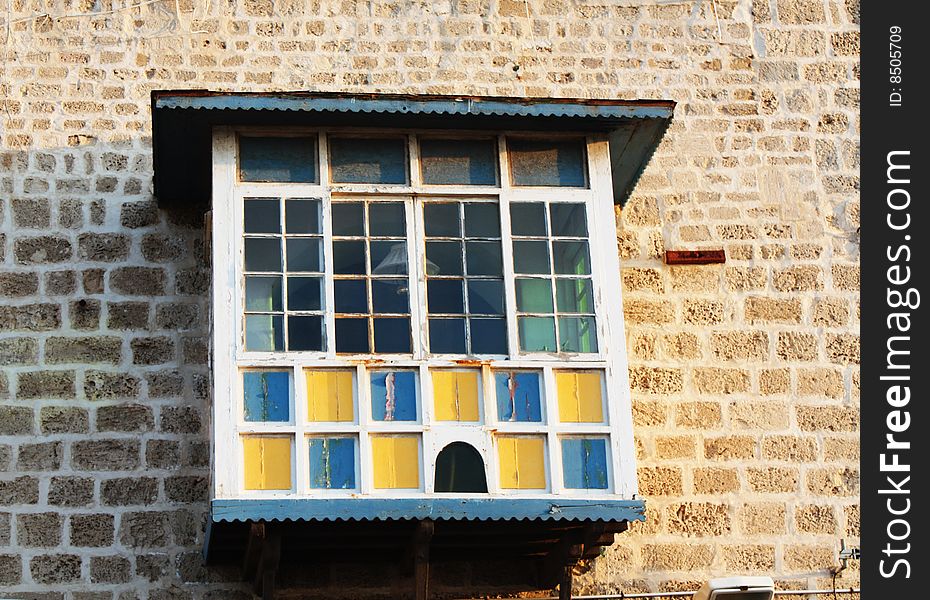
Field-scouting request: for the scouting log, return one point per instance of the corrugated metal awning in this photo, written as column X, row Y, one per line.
column 182, row 122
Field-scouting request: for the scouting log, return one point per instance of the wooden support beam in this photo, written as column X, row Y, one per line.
column 253, row 549
column 565, row 584
column 261, row 559
column 420, row 558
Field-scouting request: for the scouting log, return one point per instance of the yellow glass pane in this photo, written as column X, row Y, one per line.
column 455, row 395
column 329, row 396
column 579, row 397
column 522, row 462
column 267, row 462
column 396, row 461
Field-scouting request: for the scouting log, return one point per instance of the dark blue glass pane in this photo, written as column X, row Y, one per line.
column 305, row 332
column 444, row 296
column 262, row 215
column 465, row 162
column 571, row 258
column 266, row 395
column 351, row 295
column 518, row 397
column 393, row 396
column 488, row 336
column 444, row 258
column 447, row 336
column 348, row 218
column 528, row 218
column 558, row 163
column 392, row 336
column 332, row 463
column 368, row 160
column 442, row 219
column 302, row 216
column 567, row 219
column 291, row 160
column 349, row 257
column 483, row 258
column 303, row 254
column 388, row 258
column 264, row 333
column 389, row 296
column 352, row 336
column 584, row 463
column 531, row 257
column 486, row 296
column 305, row 293
column 482, row 220
column 262, row 254
column 387, row 219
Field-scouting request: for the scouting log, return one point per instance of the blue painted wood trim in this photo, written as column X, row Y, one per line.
column 368, row 509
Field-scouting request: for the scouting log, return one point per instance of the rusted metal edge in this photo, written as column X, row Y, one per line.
column 695, row 257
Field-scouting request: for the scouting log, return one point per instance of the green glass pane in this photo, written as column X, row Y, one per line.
column 534, row 295
column 264, row 333
column 574, row 295
column 263, row 294
column 537, row 334
column 577, row 334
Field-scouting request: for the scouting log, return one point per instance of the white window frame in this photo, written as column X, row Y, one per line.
column 229, row 358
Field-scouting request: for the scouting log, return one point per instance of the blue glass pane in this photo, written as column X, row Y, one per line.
column 266, row 395
column 469, row 162
column 547, row 163
column 277, row 159
column 262, row 215
column 368, row 160
column 304, row 332
column 302, row 216
column 488, row 336
column 584, row 463
column 518, row 397
column 393, row 396
column 332, row 463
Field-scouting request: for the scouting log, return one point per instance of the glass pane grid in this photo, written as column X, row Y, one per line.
column 552, row 267
column 371, row 277
column 465, row 285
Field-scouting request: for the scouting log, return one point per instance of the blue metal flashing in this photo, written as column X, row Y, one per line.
column 383, row 509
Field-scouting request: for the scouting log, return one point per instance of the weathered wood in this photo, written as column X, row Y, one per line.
column 253, row 549
column 565, row 584
column 421, row 542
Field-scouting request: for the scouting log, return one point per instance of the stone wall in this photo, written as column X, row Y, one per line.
column 745, row 375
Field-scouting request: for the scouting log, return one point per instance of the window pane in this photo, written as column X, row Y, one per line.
column 304, row 254
column 483, row 258
column 330, row 395
column 368, row 160
column 387, row 218
column 522, row 462
column 534, row 295
column 518, row 397
column 351, row 295
column 348, row 218
column 264, row 333
column 579, row 396
column 444, row 258
column 482, row 220
column 467, row 162
column 488, row 336
column 577, row 334
column 266, row 396
column 486, row 297
column 537, row 334
column 304, row 332
column 267, row 462
column 571, row 258
column 447, row 336
column 528, row 218
column 547, row 162
column 442, row 219
column 332, row 463
column 392, row 336
column 584, row 463
column 393, row 396
column 389, row 296
column 302, row 216
column 574, row 295
column 352, row 336
column 284, row 159
column 396, row 461
column 262, row 215
column 388, row 258
column 305, row 293
column 349, row 257
column 444, row 296
column 568, row 219
column 262, row 254
column 263, row 294
column 456, row 395
column 531, row 257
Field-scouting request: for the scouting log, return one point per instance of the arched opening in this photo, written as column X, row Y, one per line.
column 460, row 469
